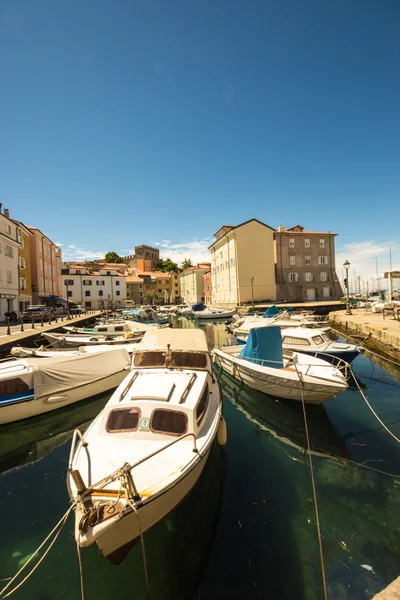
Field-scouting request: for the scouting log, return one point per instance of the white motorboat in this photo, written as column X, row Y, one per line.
column 283, row 319
column 32, row 386
column 261, row 364
column 72, row 340
column 48, row 351
column 146, row 450
column 214, row 313
column 107, row 329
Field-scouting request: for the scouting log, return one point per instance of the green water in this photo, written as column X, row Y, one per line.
column 248, row 528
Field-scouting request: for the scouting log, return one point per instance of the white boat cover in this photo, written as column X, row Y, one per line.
column 53, row 376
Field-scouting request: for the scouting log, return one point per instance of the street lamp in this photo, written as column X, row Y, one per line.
column 346, row 266
column 66, row 283
column 252, row 290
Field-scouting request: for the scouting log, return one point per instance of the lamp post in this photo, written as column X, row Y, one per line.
column 252, row 290
column 66, row 283
column 346, row 266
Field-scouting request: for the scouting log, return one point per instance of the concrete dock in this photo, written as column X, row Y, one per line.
column 392, row 592
column 384, row 334
column 18, row 337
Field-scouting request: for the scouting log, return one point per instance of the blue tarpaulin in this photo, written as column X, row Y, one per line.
column 264, row 343
column 272, row 311
column 198, row 306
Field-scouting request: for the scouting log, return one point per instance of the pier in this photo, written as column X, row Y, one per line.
column 383, row 333
column 16, row 337
column 392, row 592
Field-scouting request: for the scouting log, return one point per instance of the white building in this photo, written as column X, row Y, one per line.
column 192, row 283
column 97, row 289
column 9, row 277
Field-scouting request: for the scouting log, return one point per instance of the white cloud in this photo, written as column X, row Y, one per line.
column 72, row 246
column 59, row 244
column 196, row 250
column 363, row 257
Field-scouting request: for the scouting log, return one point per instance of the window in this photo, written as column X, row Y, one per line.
column 22, row 263
column 176, row 285
column 87, row 282
column 322, row 243
column 13, row 386
column 159, row 290
column 201, row 408
column 21, row 241
column 324, row 277
column 108, row 272
column 123, row 419
column 117, row 293
column 9, row 251
column 322, row 260
column 117, row 282
column 293, row 277
column 294, row 341
column 291, row 243
column 307, row 243
column 22, row 284
column 172, row 422
column 9, row 277
column 100, row 292
column 100, row 282
column 317, row 339
column 308, row 277
column 8, row 228
column 292, row 260
column 87, row 293
column 69, row 293
column 307, row 260
column 41, row 265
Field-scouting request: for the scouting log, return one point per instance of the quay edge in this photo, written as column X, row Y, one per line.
column 383, row 335
column 392, row 592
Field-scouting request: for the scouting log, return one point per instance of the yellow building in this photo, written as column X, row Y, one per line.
column 24, row 265
column 243, row 264
column 192, row 283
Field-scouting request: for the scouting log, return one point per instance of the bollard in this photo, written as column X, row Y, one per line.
column 55, row 318
column 41, row 321
column 62, row 318
column 22, row 323
column 8, row 326
column 49, row 319
column 33, row 322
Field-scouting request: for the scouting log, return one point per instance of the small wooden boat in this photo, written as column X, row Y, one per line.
column 71, row 340
column 214, row 313
column 146, row 450
column 48, row 351
column 33, row 386
column 106, row 329
column 261, row 364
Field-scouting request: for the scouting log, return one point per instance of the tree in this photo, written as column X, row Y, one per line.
column 113, row 257
column 169, row 266
column 186, row 263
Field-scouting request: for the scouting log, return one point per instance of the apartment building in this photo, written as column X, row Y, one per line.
column 305, row 265
column 46, row 264
column 242, row 264
column 24, row 265
column 95, row 286
column 9, row 281
column 192, row 283
column 152, row 287
column 208, row 288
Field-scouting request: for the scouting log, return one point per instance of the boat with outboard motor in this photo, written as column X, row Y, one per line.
column 48, row 351
column 314, row 342
column 273, row 316
column 145, row 315
column 72, row 340
column 32, row 386
column 146, row 450
column 214, row 313
column 261, row 364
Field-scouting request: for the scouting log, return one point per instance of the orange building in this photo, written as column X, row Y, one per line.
column 45, row 267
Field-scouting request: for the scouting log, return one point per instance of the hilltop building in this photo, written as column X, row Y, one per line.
column 145, row 258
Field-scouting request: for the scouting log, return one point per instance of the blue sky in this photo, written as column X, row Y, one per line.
column 131, row 122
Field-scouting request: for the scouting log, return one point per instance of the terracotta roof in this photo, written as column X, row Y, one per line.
column 306, row 232
column 133, row 279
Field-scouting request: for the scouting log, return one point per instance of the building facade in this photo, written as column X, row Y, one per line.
column 152, row 287
column 242, row 264
column 45, row 267
column 24, row 265
column 208, row 288
column 305, row 265
column 192, row 283
column 144, row 253
column 95, row 289
column 9, row 278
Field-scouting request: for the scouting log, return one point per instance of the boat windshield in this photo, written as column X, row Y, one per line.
column 172, row 422
column 317, row 339
column 123, row 419
column 326, row 337
column 183, row 360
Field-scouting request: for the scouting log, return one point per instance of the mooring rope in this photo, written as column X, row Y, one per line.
column 60, row 524
column 78, row 549
column 321, row 552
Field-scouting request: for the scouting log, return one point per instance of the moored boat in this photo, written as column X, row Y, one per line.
column 261, row 364
column 146, row 450
column 214, row 313
column 33, row 386
column 71, row 340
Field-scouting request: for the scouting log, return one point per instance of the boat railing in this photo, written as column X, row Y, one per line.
column 77, row 433
column 340, row 363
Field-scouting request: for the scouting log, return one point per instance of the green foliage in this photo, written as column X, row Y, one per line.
column 169, row 266
column 113, row 257
column 186, row 263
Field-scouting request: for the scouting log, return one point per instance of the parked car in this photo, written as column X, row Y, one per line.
column 38, row 312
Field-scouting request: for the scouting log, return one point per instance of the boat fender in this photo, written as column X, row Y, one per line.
column 54, row 399
column 233, row 370
column 222, row 432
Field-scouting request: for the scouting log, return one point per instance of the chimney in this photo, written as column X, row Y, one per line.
column 1, row 204
column 7, row 213
column 281, row 228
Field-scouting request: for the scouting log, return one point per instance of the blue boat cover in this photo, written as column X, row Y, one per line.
column 264, row 343
column 271, row 312
column 198, row 306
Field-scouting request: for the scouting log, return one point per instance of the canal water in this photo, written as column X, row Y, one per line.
column 248, row 529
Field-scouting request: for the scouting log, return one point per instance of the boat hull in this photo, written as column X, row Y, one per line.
column 115, row 542
column 31, row 407
column 207, row 316
column 275, row 385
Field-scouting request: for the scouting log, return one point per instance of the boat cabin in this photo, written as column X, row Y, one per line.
column 305, row 337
